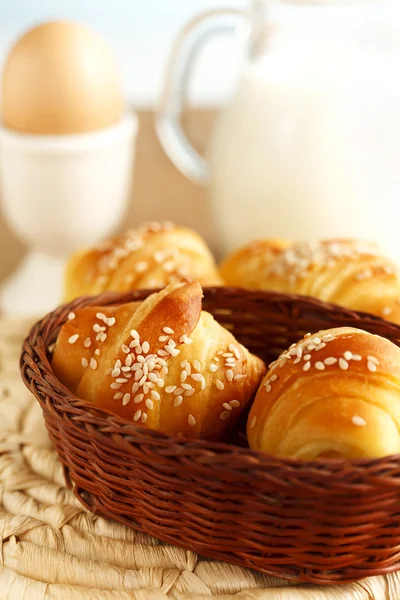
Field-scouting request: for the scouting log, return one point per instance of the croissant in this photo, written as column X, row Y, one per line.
column 163, row 363
column 346, row 272
column 151, row 256
column 334, row 394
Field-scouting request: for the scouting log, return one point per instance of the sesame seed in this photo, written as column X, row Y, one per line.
column 348, row 355
column 224, row 415
column 185, row 339
column 373, row 359
column 197, row 376
column 138, row 374
column 229, row 374
column 273, row 377
column 135, row 334
column 186, row 386
column 137, row 415
column 85, row 363
column 151, row 376
column 178, row 401
column 168, row 330
column 253, row 422
column 213, row 368
column 149, row 403
column 317, row 341
column 121, row 380
column 73, row 338
column 178, row 391
column 359, row 421
column 191, row 420
column 134, row 344
column 87, row 343
column 238, row 377
column 142, row 380
column 144, row 417
column 118, row 396
column 160, row 382
column 371, row 366
column 129, row 360
column 297, row 360
column 306, row 366
column 71, row 316
column 97, row 328
column 163, row 338
column 93, row 364
column 115, row 386
column 155, row 395
column 307, row 357
column 103, row 337
column 320, row 366
column 307, row 335
column 299, row 352
column 137, row 399
column 330, row 361
column 171, row 350
column 111, row 321
column 311, row 347
column 141, row 266
column 126, row 399
column 203, row 383
column 118, row 364
column 145, row 347
column 162, row 353
column 183, row 376
column 170, row 388
column 343, row 364
column 135, row 387
column 189, row 392
column 196, row 365
column 268, row 387
column 101, row 316
column 227, row 406
column 328, row 337
column 219, row 384
column 227, row 354
column 320, row 347
column 138, row 349
column 125, row 349
column 234, row 403
column 141, row 360
column 357, row 357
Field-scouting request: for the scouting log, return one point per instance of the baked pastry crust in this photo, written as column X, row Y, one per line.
column 334, row 394
column 350, row 273
column 164, row 363
column 152, row 256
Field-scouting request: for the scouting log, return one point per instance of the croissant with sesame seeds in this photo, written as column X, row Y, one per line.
column 151, row 256
column 163, row 363
column 350, row 273
column 334, row 394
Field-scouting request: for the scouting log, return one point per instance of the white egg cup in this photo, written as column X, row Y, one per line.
column 61, row 193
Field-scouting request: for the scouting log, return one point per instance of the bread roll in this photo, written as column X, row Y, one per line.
column 350, row 273
column 151, row 256
column 164, row 364
column 334, row 394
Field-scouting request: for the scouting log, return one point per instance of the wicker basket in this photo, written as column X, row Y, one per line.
column 327, row 521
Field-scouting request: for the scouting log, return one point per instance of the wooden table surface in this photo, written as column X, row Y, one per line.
column 160, row 191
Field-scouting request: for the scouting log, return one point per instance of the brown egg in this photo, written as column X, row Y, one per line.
column 60, row 78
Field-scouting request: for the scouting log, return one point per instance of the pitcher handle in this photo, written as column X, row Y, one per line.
column 167, row 119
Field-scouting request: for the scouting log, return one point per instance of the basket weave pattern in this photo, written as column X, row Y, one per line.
column 326, row 521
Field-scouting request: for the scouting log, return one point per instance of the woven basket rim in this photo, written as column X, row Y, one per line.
column 116, row 425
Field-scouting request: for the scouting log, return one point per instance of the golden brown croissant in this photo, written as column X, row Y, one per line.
column 164, row 363
column 333, row 394
column 347, row 272
column 151, row 256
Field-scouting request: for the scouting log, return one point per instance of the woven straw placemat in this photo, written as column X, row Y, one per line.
column 54, row 549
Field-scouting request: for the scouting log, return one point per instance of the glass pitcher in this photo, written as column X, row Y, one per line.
column 309, row 145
